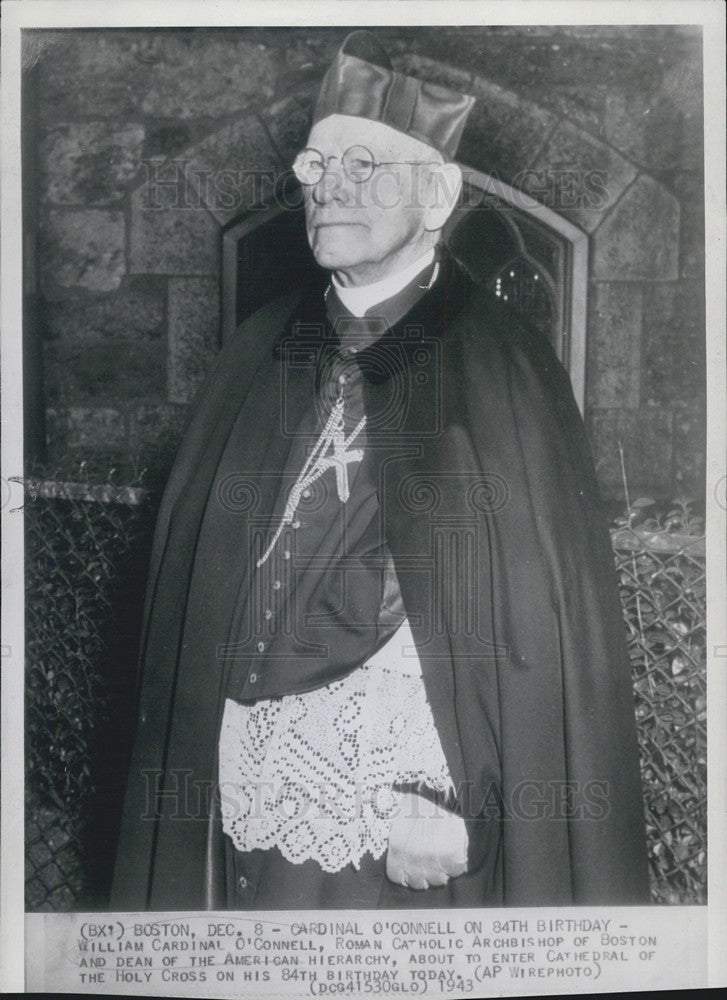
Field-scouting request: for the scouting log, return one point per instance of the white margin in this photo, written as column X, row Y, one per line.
column 12, row 852
column 716, row 311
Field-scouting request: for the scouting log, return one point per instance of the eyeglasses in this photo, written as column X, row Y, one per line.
column 357, row 163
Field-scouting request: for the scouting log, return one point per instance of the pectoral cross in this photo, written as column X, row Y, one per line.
column 330, row 452
column 341, row 457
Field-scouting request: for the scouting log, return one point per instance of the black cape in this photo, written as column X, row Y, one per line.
column 490, row 509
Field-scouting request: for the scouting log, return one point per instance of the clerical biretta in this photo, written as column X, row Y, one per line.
column 383, row 661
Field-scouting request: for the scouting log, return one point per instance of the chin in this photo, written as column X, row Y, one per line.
column 331, row 255
column 334, row 262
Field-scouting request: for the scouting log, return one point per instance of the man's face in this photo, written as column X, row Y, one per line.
column 365, row 231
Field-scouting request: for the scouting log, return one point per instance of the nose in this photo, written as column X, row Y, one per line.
column 331, row 185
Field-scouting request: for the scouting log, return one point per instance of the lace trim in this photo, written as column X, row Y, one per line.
column 312, row 773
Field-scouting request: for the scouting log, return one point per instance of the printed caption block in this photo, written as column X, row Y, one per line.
column 462, row 953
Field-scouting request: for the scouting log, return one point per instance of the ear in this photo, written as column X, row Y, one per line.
column 445, row 185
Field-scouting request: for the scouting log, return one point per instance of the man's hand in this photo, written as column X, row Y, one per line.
column 427, row 844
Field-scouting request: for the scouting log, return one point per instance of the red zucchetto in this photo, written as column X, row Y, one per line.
column 361, row 82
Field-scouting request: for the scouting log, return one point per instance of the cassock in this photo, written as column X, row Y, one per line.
column 480, row 488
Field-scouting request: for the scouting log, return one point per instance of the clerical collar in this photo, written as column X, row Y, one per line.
column 358, row 299
column 355, row 333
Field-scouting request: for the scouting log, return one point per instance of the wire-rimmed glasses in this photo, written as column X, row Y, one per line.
column 358, row 164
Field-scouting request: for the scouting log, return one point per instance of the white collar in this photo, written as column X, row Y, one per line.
column 359, row 298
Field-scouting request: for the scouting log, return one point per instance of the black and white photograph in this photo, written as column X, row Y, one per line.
column 363, row 487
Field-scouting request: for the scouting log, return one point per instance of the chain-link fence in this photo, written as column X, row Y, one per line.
column 661, row 574
column 87, row 549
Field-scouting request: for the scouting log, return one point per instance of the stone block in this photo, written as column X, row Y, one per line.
column 81, row 248
column 643, row 129
column 299, row 48
column 658, row 363
column 578, row 176
column 84, row 371
column 99, row 429
column 646, row 437
column 234, row 169
column 242, row 143
column 503, row 132
column 164, row 185
column 690, row 434
column 583, row 107
column 640, row 237
column 689, row 189
column 206, row 74
column 660, row 129
column 89, row 73
column 681, row 92
column 193, row 318
column 165, row 141
column 552, row 58
column 674, row 355
column 539, row 64
column 164, row 74
column 89, row 163
column 135, row 311
column 166, row 236
column 614, row 346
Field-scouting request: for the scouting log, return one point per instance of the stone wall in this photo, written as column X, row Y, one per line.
column 133, row 125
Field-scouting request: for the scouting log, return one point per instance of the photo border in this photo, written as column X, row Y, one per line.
column 20, row 14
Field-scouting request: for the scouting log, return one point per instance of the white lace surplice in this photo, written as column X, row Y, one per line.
column 312, row 773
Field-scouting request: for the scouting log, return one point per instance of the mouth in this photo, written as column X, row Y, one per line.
column 331, row 223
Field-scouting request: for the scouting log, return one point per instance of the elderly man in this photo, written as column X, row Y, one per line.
column 383, row 662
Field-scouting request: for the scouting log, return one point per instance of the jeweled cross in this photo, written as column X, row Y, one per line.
column 341, row 457
column 332, row 436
